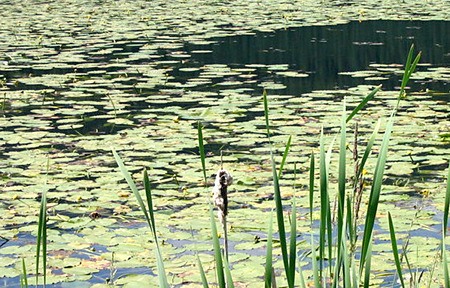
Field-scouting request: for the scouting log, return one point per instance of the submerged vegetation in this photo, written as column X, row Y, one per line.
column 309, row 205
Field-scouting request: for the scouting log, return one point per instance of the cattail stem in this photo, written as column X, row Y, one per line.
column 225, row 237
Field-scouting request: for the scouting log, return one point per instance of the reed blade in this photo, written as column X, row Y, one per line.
column 317, row 274
column 395, row 250
column 301, row 276
column 375, row 193
column 381, row 161
column 445, row 263
column 202, row 272
column 23, row 276
column 162, row 278
column 444, row 233
column 277, row 199
column 311, row 187
column 41, row 245
column 268, row 271
column 217, row 253
column 293, row 242
column 280, row 218
column 368, row 149
column 363, row 103
column 148, row 214
column 160, row 263
column 345, row 261
column 201, row 149
column 285, row 154
column 132, row 186
column 323, row 203
column 341, row 188
column 266, row 112
column 447, row 204
column 410, row 67
column 148, row 196
column 229, row 279
column 368, row 266
column 328, row 219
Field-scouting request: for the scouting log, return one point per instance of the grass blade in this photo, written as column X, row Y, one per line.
column 201, row 149
column 368, row 262
column 266, row 112
column 325, row 230
column 23, row 276
column 395, row 250
column 148, row 195
column 445, row 263
column 444, row 233
column 285, row 154
column 293, row 242
column 229, row 279
column 409, row 69
column 280, row 219
column 301, row 276
column 447, row 203
column 311, row 187
column 323, row 203
column 202, row 273
column 149, row 215
column 217, row 253
column 363, row 103
column 42, row 238
column 132, row 186
column 350, row 218
column 329, row 223
column 345, row 261
column 161, row 271
column 315, row 265
column 277, row 199
column 381, row 161
column 341, row 189
column 160, row 263
column 375, row 193
column 368, row 149
column 407, row 65
column 268, row 273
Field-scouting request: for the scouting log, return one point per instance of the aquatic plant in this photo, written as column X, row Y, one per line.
column 336, row 263
column 220, row 199
column 148, row 213
column 338, row 258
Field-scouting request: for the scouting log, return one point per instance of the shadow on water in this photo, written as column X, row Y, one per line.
column 325, row 51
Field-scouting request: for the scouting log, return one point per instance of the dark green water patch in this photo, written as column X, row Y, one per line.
column 328, row 54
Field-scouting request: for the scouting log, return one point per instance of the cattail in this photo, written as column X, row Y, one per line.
column 220, row 198
column 223, row 180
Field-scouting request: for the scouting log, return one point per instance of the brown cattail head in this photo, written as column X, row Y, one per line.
column 220, row 190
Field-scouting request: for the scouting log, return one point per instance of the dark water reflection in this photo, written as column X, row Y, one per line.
column 324, row 51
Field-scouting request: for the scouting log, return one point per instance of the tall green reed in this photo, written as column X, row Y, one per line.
column 148, row 214
column 337, row 262
column 334, row 261
column 41, row 242
column 381, row 161
column 444, row 233
column 223, row 273
column 288, row 261
column 23, row 276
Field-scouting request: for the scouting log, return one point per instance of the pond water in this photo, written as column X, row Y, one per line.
column 68, row 104
column 325, row 52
